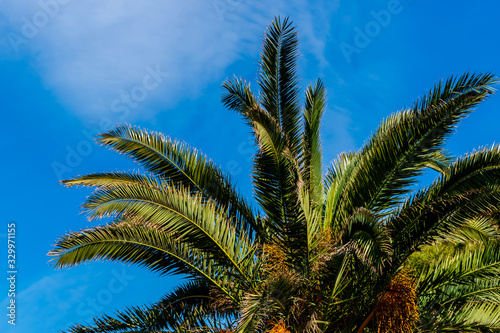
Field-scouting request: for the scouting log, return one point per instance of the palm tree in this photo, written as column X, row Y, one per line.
column 351, row 249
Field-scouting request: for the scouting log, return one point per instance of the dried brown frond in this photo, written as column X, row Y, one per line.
column 220, row 303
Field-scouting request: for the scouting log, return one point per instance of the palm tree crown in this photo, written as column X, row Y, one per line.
column 348, row 249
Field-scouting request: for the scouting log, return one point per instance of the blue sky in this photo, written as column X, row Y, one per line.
column 70, row 69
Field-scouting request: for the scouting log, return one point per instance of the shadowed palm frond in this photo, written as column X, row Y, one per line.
column 259, row 309
column 368, row 238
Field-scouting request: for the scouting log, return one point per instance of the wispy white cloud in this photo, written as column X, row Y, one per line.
column 93, row 54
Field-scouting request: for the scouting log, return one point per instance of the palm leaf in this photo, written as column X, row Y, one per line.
column 141, row 245
column 467, row 189
column 181, row 164
column 278, row 80
column 176, row 211
column 462, row 268
column 311, row 143
column 406, row 141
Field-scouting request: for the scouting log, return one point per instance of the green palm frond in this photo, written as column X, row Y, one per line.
column 480, row 229
column 464, row 267
column 468, row 188
column 311, row 142
column 482, row 316
column 421, row 222
column 278, row 80
column 406, row 141
column 272, row 173
column 239, row 97
column 275, row 172
column 279, row 138
column 180, row 164
column 275, row 120
column 476, row 317
column 474, row 170
column 439, row 160
column 339, row 272
column 309, row 228
column 460, row 287
column 178, row 212
column 109, row 179
column 145, row 246
column 336, row 179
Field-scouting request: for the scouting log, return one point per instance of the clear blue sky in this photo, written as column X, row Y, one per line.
column 72, row 68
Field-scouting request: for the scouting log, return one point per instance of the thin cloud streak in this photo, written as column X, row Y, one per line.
column 91, row 54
